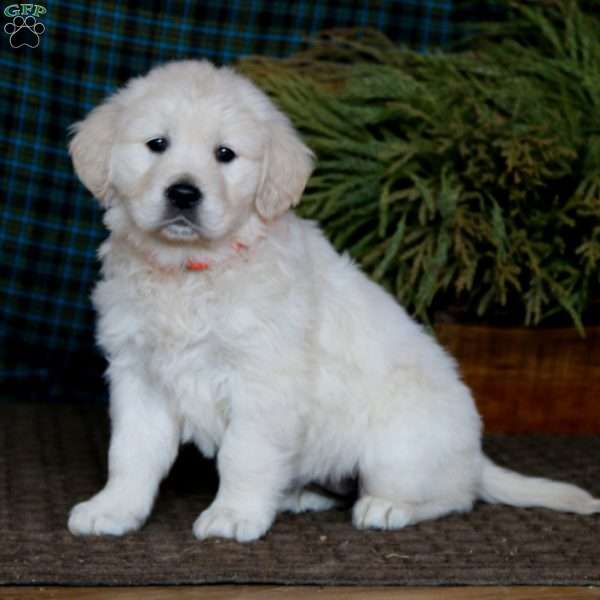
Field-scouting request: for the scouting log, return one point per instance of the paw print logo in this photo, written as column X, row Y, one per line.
column 24, row 31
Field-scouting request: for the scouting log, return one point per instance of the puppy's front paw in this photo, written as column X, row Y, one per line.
column 220, row 521
column 99, row 517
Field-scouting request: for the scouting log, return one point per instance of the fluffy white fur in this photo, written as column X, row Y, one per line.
column 281, row 359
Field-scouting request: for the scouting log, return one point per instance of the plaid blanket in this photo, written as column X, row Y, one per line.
column 60, row 59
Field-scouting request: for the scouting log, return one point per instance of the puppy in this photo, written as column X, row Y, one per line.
column 230, row 322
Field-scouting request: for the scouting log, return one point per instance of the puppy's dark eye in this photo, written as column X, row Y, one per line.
column 158, row 145
column 224, row 154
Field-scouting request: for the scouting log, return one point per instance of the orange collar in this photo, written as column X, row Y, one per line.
column 200, row 265
column 196, row 265
column 192, row 264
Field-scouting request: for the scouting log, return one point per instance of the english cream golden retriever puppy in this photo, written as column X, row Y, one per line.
column 230, row 322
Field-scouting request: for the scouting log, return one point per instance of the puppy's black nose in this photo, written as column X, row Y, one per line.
column 184, row 195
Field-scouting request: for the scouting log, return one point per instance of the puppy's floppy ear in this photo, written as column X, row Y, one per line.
column 287, row 166
column 90, row 148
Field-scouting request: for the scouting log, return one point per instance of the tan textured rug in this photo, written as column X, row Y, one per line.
column 54, row 455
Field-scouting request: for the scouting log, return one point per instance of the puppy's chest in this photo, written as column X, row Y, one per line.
column 189, row 336
column 186, row 317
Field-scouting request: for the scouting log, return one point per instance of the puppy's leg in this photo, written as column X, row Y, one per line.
column 396, row 495
column 143, row 446
column 254, row 470
column 407, row 482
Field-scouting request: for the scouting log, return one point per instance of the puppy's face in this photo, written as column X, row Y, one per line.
column 186, row 167
column 189, row 152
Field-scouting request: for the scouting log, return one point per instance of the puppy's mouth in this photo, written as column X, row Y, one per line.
column 180, row 228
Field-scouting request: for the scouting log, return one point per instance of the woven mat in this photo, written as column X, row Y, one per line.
column 54, row 455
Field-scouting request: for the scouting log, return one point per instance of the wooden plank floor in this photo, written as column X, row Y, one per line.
column 241, row 592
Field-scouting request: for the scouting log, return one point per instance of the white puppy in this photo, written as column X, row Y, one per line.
column 230, row 322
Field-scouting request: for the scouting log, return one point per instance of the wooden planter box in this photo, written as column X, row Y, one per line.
column 530, row 380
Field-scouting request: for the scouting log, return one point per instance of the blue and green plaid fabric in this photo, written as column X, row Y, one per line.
column 59, row 59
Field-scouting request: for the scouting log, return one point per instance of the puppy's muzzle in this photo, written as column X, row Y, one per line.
column 183, row 196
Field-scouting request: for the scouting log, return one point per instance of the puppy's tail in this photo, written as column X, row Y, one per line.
column 499, row 485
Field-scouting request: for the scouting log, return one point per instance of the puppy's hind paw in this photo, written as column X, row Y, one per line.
column 224, row 522
column 378, row 513
column 95, row 518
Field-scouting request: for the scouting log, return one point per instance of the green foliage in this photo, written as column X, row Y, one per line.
column 469, row 178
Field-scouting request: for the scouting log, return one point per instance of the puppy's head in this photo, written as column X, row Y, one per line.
column 188, row 152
